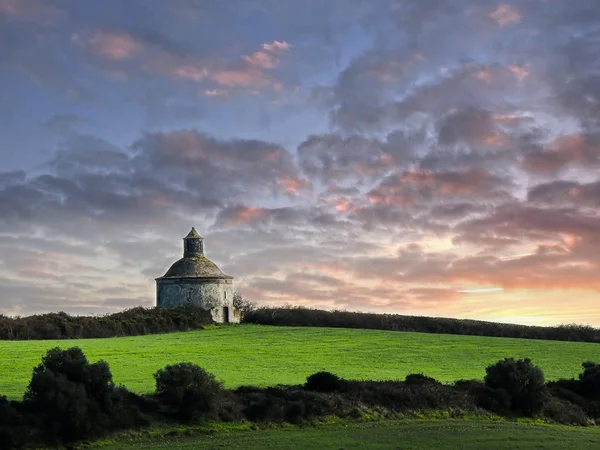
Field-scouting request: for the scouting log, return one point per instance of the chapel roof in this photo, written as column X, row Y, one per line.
column 194, row 267
column 194, row 264
column 193, row 234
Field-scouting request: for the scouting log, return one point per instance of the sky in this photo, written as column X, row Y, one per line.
column 426, row 157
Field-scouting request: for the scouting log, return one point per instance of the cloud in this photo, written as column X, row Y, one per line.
column 565, row 193
column 403, row 160
column 505, row 14
column 570, row 150
column 252, row 71
column 417, row 188
column 268, row 56
column 30, row 10
column 115, row 46
column 332, row 158
column 63, row 123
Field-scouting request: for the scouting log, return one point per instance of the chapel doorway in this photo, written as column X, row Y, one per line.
column 226, row 314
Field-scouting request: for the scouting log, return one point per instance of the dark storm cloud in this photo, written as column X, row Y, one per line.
column 579, row 150
column 416, row 189
column 563, row 193
column 175, row 172
column 332, row 158
column 516, row 221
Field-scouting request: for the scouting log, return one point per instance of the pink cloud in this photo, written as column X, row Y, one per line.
column 505, row 14
column 115, row 46
column 242, row 77
column 575, row 149
column 262, row 60
column 191, row 72
column 292, row 185
column 276, row 46
column 245, row 215
column 251, row 72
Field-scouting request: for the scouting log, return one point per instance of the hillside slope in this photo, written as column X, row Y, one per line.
column 268, row 355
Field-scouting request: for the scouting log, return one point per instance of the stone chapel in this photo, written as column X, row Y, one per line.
column 196, row 279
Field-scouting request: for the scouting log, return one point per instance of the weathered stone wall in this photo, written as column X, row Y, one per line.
column 214, row 295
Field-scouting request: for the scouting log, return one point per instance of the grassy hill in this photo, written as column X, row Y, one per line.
column 268, row 355
column 413, row 435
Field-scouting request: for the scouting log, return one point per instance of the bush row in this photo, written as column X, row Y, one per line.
column 131, row 322
column 70, row 399
column 305, row 317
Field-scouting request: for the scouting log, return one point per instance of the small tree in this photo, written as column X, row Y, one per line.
column 419, row 379
column 74, row 397
column 324, row 382
column 523, row 382
column 188, row 390
column 589, row 380
column 242, row 305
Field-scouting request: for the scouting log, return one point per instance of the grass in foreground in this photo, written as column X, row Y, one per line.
column 266, row 355
column 439, row 434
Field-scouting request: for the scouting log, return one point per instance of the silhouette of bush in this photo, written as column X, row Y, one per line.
column 301, row 316
column 131, row 322
column 75, row 399
column 522, row 381
column 565, row 412
column 324, row 382
column 584, row 392
column 288, row 403
column 188, row 391
column 496, row 400
column 419, row 378
column 589, row 380
column 295, row 412
column 17, row 428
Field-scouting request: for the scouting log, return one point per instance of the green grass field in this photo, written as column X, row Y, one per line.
column 439, row 434
column 263, row 355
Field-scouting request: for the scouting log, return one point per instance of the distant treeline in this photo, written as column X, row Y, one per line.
column 304, row 317
column 69, row 399
column 131, row 322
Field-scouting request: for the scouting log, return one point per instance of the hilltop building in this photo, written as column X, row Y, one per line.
column 196, row 279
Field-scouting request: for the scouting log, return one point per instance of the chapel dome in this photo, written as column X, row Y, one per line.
column 194, row 264
column 194, row 267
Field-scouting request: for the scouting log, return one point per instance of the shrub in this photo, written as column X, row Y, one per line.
column 563, row 411
column 324, row 382
column 496, row 400
column 16, row 428
column 419, row 378
column 523, row 382
column 75, row 399
column 295, row 411
column 300, row 316
column 131, row 322
column 589, row 380
column 188, row 390
column 242, row 305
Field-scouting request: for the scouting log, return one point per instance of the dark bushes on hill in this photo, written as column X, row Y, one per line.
column 304, row 317
column 131, row 322
column 324, row 382
column 74, row 399
column 70, row 399
column 523, row 383
column 419, row 378
column 188, row 390
column 583, row 392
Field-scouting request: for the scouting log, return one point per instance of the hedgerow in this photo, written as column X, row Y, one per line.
column 305, row 317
